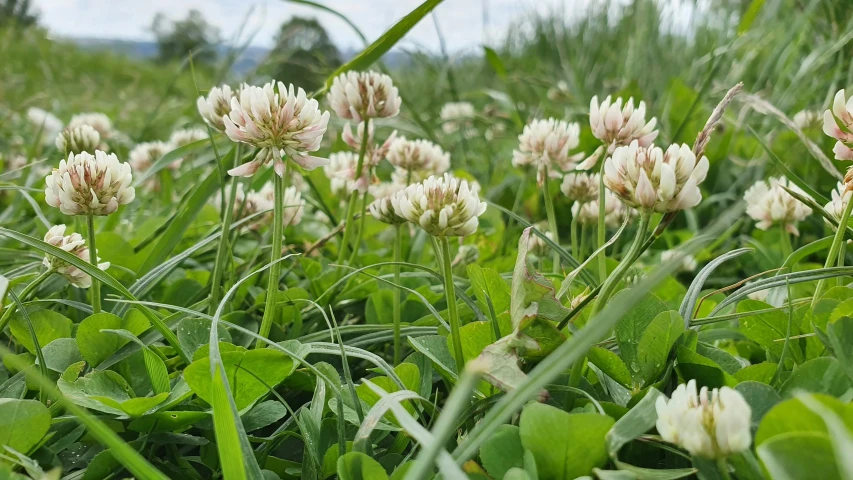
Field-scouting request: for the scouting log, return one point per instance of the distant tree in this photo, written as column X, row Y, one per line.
column 303, row 54
column 18, row 12
column 177, row 38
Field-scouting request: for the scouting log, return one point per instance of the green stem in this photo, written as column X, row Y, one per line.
column 723, row 467
column 574, row 237
column 398, row 257
column 450, row 294
column 837, row 242
column 552, row 220
column 24, row 296
column 602, row 258
column 361, row 222
column 612, row 281
column 223, row 247
column 785, row 242
column 353, row 198
column 93, row 259
column 271, row 304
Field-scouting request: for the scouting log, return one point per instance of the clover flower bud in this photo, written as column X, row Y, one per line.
column 75, row 245
column 686, row 262
column 362, row 95
column 99, row 121
column 443, row 206
column 341, row 172
column 653, row 180
column 711, row 424
column 580, row 187
column 280, row 121
column 417, row 159
column 87, row 184
column 768, row 204
column 615, row 211
column 838, row 124
column 83, row 138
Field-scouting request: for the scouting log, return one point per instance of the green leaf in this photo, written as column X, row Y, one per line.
column 374, row 52
column 495, row 61
column 503, row 451
column 767, row 328
column 791, row 416
column 358, row 466
column 475, row 337
column 639, row 420
column 263, row 414
column 760, row 397
column 841, row 338
column 408, row 374
column 61, row 353
column 227, row 436
column 630, row 329
column 492, row 291
column 107, row 391
column 564, row 445
column 270, row 366
column 193, row 333
column 48, row 325
column 749, row 16
column 23, row 423
column 435, row 348
column 532, row 295
column 610, row 363
column 799, row 456
column 821, row 375
column 705, row 371
column 95, row 345
column 655, row 344
column 760, row 372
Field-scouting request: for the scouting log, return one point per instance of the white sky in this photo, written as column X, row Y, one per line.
column 461, row 21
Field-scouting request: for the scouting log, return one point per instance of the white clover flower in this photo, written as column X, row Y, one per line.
column 838, row 124
column 382, row 209
column 494, row 130
column 293, row 203
column 806, row 119
column 215, row 106
column 373, row 153
column 87, row 184
column 535, row 243
column 686, row 262
column 466, row 255
column 417, row 158
column 456, row 116
column 186, row 136
column 99, row 121
column 560, row 91
column 280, row 122
column 580, row 186
column 769, row 204
column 711, row 424
column 341, row 172
column 45, row 122
column 545, row 144
column 145, row 154
column 651, row 179
column 362, row 95
column 615, row 211
column 83, row 138
column 75, row 245
column 246, row 205
column 616, row 125
column 385, row 189
column 443, row 206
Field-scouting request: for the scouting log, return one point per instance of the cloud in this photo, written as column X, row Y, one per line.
column 465, row 24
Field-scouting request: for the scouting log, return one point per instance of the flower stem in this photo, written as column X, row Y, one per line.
column 837, row 242
column 785, row 242
column 398, row 257
column 552, row 220
column 24, row 296
column 271, row 304
column 353, row 198
column 93, row 259
column 723, row 467
column 631, row 255
column 223, row 247
column 574, row 237
column 361, row 222
column 602, row 258
column 450, row 294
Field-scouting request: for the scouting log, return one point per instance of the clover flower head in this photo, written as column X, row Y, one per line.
column 292, row 202
column 280, row 121
column 456, row 116
column 341, row 172
column 75, row 245
column 580, row 186
column 535, row 244
column 615, row 211
column 617, row 125
column 145, row 154
column 686, row 262
column 419, row 155
column 838, row 124
column 215, row 106
column 545, row 144
column 363, row 95
column 444, row 206
column 769, row 204
column 806, row 119
column 373, row 153
column 382, row 209
column 186, row 136
column 83, row 138
column 708, row 424
column 87, row 184
column 650, row 179
column 97, row 120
